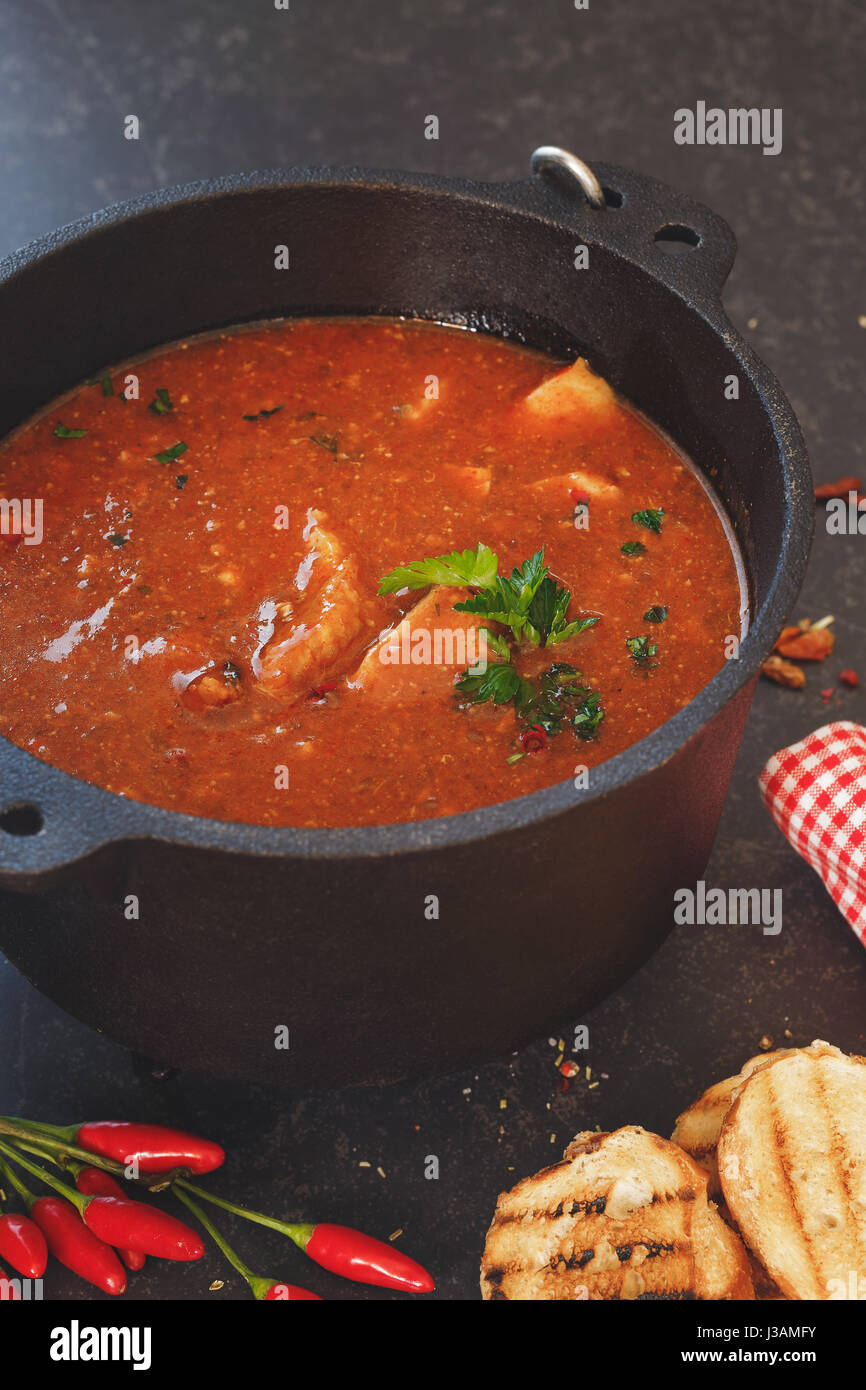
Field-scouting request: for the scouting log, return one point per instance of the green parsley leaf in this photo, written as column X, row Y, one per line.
column 656, row 614
column 651, row 518
column 642, row 650
column 500, row 683
column 467, row 568
column 170, row 455
column 633, row 548
column 63, row 433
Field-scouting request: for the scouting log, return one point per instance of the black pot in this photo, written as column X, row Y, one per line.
column 546, row 902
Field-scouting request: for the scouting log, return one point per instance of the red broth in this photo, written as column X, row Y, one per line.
column 198, row 625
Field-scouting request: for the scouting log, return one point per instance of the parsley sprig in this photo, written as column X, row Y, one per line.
column 534, row 607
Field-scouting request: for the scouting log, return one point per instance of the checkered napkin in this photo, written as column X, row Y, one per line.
column 816, row 793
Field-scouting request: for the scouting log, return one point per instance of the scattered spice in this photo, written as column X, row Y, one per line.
column 326, row 441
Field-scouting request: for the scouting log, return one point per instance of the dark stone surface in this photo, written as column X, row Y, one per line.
column 222, row 87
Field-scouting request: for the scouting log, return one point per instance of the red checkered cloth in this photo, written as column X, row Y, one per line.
column 816, row 793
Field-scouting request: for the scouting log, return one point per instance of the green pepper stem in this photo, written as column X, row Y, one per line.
column 258, row 1285
column 300, row 1234
column 18, row 1131
column 79, row 1202
column 13, row 1179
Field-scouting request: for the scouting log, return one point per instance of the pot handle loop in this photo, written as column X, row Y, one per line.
column 553, row 158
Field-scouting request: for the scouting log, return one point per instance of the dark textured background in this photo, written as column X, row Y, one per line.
column 223, row 86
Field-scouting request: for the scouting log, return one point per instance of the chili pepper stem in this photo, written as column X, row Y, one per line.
column 258, row 1285
column 27, row 1197
column 18, row 1131
column 61, row 1188
column 299, row 1233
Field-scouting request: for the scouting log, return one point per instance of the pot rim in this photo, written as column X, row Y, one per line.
column 26, row 779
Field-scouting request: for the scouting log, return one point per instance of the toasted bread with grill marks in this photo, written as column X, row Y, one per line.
column 722, row 1271
column 792, row 1163
column 697, row 1129
column 613, row 1220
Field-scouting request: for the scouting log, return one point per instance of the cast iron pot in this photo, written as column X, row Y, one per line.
column 546, row 903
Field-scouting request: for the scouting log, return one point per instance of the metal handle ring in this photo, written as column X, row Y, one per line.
column 551, row 155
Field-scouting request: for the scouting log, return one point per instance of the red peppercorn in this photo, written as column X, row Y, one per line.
column 23, row 1245
column 73, row 1245
column 534, row 740
column 95, row 1182
column 353, row 1255
column 154, row 1148
column 136, row 1226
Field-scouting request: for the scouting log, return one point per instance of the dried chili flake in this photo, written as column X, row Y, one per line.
column 569, row 1069
column 319, row 692
column 775, row 668
column 825, row 491
column 849, row 678
column 807, row 641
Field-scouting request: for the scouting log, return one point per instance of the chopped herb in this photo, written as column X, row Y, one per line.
column 144, row 588
column 264, row 414
column 468, row 568
column 656, row 614
column 500, row 683
column 309, row 415
column 642, row 651
column 105, row 383
column 633, row 548
column 651, row 518
column 181, row 481
column 515, row 758
column 326, row 441
column 170, row 455
column 162, row 404
column 552, row 703
column 63, row 433
column 530, row 602
column 117, row 539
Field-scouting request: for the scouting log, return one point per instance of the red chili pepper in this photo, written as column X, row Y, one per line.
column 73, row 1245
column 850, row 678
column 353, row 1255
column 8, row 1291
column 534, row 740
column 23, row 1245
column 136, row 1226
column 154, row 1148
column 94, row 1182
column 287, row 1293
column 319, row 692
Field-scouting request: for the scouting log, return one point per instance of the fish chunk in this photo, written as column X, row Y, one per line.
column 306, row 640
column 422, row 654
column 563, row 490
column 576, row 392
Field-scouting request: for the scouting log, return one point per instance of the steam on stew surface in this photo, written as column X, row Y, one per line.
column 245, row 601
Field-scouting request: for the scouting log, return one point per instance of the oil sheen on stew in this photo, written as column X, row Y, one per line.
column 201, row 625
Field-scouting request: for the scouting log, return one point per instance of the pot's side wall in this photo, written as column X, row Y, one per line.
column 532, row 928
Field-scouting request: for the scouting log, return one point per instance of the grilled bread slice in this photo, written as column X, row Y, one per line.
column 613, row 1220
column 792, row 1163
column 722, row 1271
column 697, row 1129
